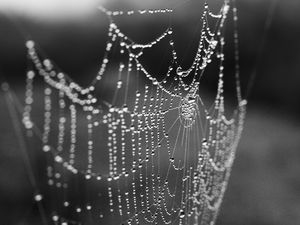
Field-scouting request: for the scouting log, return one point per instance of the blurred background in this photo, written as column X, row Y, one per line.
column 264, row 188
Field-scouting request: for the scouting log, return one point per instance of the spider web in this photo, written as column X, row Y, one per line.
column 149, row 152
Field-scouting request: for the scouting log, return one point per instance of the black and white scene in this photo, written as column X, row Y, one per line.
column 141, row 112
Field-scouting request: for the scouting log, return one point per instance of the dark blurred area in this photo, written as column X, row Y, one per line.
column 264, row 188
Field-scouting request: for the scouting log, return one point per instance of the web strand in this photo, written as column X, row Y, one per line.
column 153, row 149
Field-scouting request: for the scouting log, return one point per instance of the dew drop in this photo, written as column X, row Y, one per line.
column 46, row 148
column 55, row 218
column 30, row 44
column 38, row 197
column 181, row 214
column 179, row 71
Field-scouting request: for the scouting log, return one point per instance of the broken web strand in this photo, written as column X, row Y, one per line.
column 154, row 118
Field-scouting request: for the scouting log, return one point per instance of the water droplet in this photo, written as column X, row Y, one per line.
column 30, row 74
column 30, row 44
column 78, row 210
column 181, row 214
column 55, row 218
column 66, row 204
column 38, row 197
column 182, row 73
column 47, row 63
column 119, row 84
column 46, row 148
column 58, row 159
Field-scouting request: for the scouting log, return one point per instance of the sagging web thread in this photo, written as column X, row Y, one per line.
column 155, row 153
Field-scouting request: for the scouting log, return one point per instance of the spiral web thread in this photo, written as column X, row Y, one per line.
column 152, row 152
